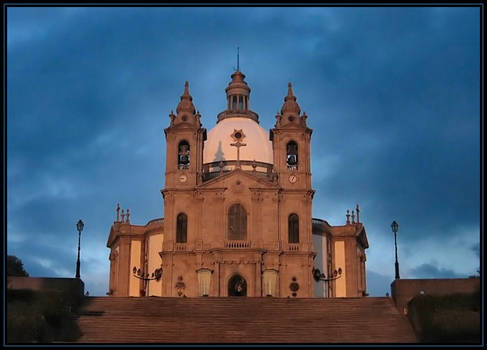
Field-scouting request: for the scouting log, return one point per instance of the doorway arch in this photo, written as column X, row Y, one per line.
column 237, row 286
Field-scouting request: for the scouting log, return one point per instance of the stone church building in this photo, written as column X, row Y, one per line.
column 238, row 218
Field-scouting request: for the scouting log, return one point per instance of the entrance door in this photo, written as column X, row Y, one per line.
column 237, row 286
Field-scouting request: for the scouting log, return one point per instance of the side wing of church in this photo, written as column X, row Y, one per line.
column 238, row 214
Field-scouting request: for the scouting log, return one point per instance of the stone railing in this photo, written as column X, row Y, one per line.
column 237, row 244
column 180, row 246
column 214, row 169
column 293, row 246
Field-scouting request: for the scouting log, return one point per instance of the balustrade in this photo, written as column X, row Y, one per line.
column 237, row 244
column 213, row 169
column 180, row 246
column 293, row 246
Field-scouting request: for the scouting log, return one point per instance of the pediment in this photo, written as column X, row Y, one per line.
column 232, row 178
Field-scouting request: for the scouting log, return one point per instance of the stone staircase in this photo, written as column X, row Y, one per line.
column 242, row 320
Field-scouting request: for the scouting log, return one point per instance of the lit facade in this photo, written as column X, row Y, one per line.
column 238, row 213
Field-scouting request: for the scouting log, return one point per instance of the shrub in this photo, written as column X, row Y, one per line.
column 40, row 317
column 453, row 318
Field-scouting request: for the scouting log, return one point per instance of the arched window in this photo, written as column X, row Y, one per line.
column 234, row 103
column 292, row 155
column 293, row 228
column 237, row 223
column 182, row 228
column 183, row 155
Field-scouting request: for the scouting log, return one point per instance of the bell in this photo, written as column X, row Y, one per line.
column 291, row 159
column 183, row 159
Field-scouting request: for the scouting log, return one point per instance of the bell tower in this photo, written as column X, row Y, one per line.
column 291, row 140
column 185, row 138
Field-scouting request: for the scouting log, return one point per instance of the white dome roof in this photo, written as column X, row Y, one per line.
column 258, row 146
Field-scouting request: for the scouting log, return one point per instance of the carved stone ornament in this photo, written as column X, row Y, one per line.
column 256, row 196
column 238, row 135
column 180, row 286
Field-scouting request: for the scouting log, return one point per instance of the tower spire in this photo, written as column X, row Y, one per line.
column 290, row 104
column 290, row 92
column 186, row 89
column 186, row 103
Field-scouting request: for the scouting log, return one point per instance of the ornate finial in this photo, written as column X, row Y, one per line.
column 290, row 92
column 123, row 215
column 118, row 212
column 290, row 104
column 358, row 214
column 348, row 216
column 128, row 216
column 186, row 104
column 186, row 88
column 353, row 217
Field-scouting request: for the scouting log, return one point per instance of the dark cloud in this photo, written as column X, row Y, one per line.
column 432, row 271
column 391, row 93
column 46, row 259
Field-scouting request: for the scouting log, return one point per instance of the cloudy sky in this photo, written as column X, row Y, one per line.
column 392, row 94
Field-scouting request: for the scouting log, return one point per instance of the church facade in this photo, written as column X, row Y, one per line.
column 238, row 214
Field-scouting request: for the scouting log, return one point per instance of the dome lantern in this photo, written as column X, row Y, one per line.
column 238, row 99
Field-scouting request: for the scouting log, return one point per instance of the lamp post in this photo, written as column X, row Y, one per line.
column 80, row 226
column 395, row 228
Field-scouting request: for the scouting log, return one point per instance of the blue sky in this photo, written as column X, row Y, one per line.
column 392, row 95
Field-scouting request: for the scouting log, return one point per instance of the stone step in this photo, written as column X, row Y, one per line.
column 237, row 320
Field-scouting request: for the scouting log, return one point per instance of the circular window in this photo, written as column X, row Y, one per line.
column 294, row 286
column 184, row 118
column 291, row 118
column 238, row 135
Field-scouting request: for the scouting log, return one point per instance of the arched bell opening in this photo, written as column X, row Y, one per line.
column 292, row 155
column 184, row 155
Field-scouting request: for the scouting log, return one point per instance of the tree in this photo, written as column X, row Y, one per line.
column 15, row 267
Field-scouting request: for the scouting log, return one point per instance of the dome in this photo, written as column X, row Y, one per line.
column 256, row 138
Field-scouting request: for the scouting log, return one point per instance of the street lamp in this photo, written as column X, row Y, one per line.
column 156, row 275
column 79, row 226
column 319, row 276
column 395, row 228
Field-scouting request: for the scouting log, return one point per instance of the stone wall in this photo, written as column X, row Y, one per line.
column 73, row 286
column 403, row 290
